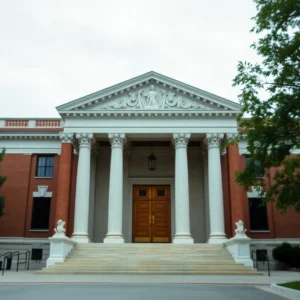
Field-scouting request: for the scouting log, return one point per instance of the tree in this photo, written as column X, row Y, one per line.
column 270, row 94
column 2, row 180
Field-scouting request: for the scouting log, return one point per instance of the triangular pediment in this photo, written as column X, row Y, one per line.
column 150, row 92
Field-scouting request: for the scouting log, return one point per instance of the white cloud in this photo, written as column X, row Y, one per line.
column 55, row 51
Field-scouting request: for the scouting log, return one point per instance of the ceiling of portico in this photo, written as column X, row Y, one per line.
column 148, row 94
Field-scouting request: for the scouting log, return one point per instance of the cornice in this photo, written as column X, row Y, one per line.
column 141, row 81
column 154, row 114
column 29, row 136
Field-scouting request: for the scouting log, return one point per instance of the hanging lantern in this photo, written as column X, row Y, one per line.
column 151, row 162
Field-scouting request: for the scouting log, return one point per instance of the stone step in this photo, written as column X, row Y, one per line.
column 148, row 266
column 192, row 256
column 146, row 251
column 150, row 259
column 143, row 272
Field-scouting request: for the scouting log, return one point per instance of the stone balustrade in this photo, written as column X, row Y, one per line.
column 31, row 123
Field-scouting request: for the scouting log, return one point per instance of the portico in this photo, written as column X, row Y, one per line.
column 117, row 128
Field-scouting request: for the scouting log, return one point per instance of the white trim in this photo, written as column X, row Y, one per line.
column 254, row 193
column 30, row 136
column 30, row 151
column 276, row 242
column 30, row 146
column 22, row 240
column 134, row 113
column 159, row 79
column 42, row 192
column 145, row 125
column 151, row 181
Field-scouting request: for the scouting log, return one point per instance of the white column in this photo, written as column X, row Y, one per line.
column 81, row 218
column 205, row 194
column 182, row 205
column 115, row 201
column 92, row 192
column 215, row 191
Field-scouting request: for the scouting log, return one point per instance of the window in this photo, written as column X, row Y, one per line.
column 36, row 254
column 142, row 193
column 161, row 193
column 40, row 213
column 44, row 166
column 260, row 173
column 258, row 215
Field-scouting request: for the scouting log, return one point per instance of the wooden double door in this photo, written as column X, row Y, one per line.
column 151, row 214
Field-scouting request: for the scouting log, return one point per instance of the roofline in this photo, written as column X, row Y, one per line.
column 142, row 77
column 29, row 119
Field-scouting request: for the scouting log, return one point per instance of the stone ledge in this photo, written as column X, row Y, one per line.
column 284, row 291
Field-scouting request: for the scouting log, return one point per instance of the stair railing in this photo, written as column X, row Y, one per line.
column 10, row 255
column 4, row 255
column 262, row 257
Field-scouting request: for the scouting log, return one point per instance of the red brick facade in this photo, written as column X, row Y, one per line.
column 20, row 170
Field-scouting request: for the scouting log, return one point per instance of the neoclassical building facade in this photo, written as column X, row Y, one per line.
column 138, row 162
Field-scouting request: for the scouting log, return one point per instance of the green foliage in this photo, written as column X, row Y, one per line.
column 270, row 94
column 2, row 180
column 287, row 254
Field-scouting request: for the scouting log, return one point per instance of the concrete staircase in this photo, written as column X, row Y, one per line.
column 149, row 259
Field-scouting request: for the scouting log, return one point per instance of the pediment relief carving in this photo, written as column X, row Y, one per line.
column 153, row 97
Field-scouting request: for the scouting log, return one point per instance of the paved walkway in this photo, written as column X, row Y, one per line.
column 32, row 277
column 132, row 292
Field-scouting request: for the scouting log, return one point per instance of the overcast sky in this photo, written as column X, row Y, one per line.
column 56, row 51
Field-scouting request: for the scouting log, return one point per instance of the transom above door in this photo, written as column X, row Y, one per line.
column 151, row 214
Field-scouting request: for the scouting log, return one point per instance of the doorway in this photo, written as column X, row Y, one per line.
column 151, row 214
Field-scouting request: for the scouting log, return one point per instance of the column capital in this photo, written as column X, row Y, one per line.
column 117, row 139
column 181, row 139
column 66, row 137
column 85, row 139
column 231, row 136
column 213, row 139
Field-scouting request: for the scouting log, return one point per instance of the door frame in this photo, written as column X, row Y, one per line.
column 151, row 181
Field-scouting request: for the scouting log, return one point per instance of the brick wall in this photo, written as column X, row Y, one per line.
column 21, row 183
column 72, row 195
column 281, row 225
column 15, row 190
column 18, row 192
column 226, row 196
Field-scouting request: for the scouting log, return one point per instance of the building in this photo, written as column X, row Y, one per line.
column 137, row 162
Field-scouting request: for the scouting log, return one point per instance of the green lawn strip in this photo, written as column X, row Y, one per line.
column 291, row 285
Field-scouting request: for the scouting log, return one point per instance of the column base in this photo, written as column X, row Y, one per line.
column 183, row 239
column 81, row 239
column 113, row 239
column 217, row 239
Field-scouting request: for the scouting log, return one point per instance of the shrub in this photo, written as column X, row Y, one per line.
column 288, row 254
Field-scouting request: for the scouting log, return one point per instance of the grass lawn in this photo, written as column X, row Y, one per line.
column 292, row 285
